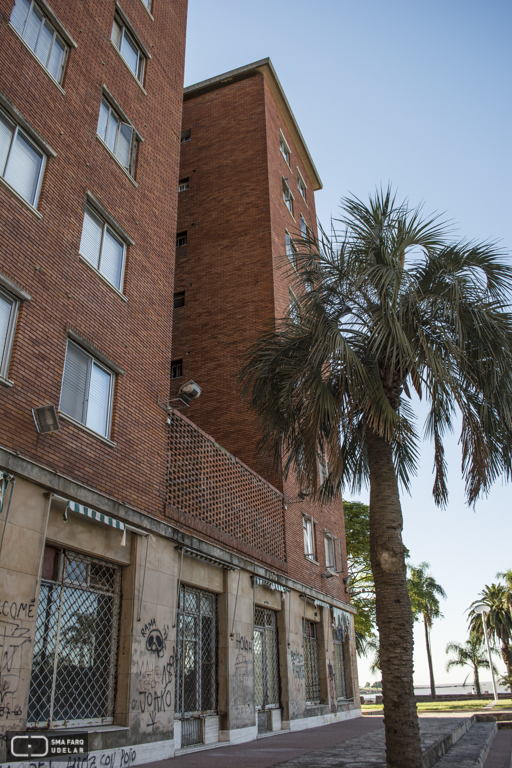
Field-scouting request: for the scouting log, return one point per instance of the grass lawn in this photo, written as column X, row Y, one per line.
column 449, row 706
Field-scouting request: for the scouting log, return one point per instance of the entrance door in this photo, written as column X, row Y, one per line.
column 266, row 666
column 196, row 666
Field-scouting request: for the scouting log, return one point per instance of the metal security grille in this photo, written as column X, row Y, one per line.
column 196, row 653
column 311, row 662
column 339, row 668
column 266, row 658
column 75, row 646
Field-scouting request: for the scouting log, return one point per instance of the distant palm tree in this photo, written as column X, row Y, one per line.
column 388, row 305
column 424, row 593
column 498, row 619
column 507, row 576
column 472, row 654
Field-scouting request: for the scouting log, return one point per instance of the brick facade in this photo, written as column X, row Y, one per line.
column 234, row 272
column 40, row 250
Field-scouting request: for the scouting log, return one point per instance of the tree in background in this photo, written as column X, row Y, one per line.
column 388, row 305
column 498, row 620
column 362, row 586
column 472, row 654
column 424, row 593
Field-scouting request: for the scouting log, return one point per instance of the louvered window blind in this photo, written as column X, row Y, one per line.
column 87, row 389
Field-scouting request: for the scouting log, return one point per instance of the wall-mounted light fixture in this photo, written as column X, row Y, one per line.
column 46, row 419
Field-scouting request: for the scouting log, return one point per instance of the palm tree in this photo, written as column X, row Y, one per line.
column 388, row 305
column 472, row 654
column 498, row 619
column 424, row 593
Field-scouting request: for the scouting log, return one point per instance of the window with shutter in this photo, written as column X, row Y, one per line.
column 120, row 137
column 87, row 389
column 103, row 248
column 33, row 26
column 21, row 162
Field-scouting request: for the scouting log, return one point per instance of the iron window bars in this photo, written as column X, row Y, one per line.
column 196, row 653
column 339, row 667
column 75, row 645
column 311, row 662
column 266, row 658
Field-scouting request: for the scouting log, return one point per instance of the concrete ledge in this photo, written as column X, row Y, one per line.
column 239, row 735
column 313, row 722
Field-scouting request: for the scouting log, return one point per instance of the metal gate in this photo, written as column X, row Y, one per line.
column 311, row 662
column 339, row 668
column 266, row 665
column 196, row 665
column 75, row 645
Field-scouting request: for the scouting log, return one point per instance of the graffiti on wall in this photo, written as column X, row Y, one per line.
column 156, row 639
column 297, row 659
column 12, row 639
column 154, row 686
column 243, row 643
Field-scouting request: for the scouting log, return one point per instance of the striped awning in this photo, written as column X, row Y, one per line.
column 314, row 600
column 94, row 515
column 267, row 583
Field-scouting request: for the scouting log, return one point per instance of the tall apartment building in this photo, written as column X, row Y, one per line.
column 90, row 119
column 246, row 197
column 153, row 586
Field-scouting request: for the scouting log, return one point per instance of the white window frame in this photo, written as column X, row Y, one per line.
column 121, row 120
column 186, row 135
column 308, row 529
column 329, row 544
column 181, row 236
column 294, row 307
column 302, row 186
column 17, row 131
column 291, row 249
column 184, row 184
column 176, row 364
column 94, row 213
column 284, row 149
column 287, row 195
column 92, row 361
column 56, row 36
column 304, row 229
column 5, row 353
column 323, row 468
column 126, row 32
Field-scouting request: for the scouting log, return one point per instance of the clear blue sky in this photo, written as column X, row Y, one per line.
column 417, row 94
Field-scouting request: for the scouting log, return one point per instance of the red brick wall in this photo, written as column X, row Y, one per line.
column 235, row 286
column 41, row 255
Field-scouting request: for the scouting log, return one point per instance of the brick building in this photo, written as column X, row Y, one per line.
column 246, row 197
column 114, row 504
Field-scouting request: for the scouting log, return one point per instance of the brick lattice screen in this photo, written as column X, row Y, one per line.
column 214, row 487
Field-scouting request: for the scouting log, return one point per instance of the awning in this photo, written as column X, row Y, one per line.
column 314, row 600
column 206, row 558
column 271, row 584
column 101, row 517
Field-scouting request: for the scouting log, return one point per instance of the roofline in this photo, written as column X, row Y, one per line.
column 265, row 68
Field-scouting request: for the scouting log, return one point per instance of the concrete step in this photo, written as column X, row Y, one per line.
column 471, row 749
column 488, row 717
column 504, row 725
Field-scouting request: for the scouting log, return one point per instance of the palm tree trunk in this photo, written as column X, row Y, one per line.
column 477, row 682
column 506, row 653
column 393, row 609
column 429, row 657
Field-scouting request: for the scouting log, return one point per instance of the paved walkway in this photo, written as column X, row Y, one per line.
column 361, row 741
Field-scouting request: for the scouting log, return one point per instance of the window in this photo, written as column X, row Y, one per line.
column 76, row 638
column 87, row 389
column 309, row 537
column 181, row 239
column 329, row 550
column 266, row 658
column 186, row 135
column 311, row 662
column 287, row 195
column 148, row 4
column 40, row 36
column 304, row 230
column 120, row 137
column 8, row 312
column 21, row 162
column 301, row 185
column 294, row 307
column 125, row 43
column 285, row 150
column 339, row 666
column 103, row 248
column 183, row 185
column 323, row 468
column 179, row 299
column 291, row 249
column 176, row 369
